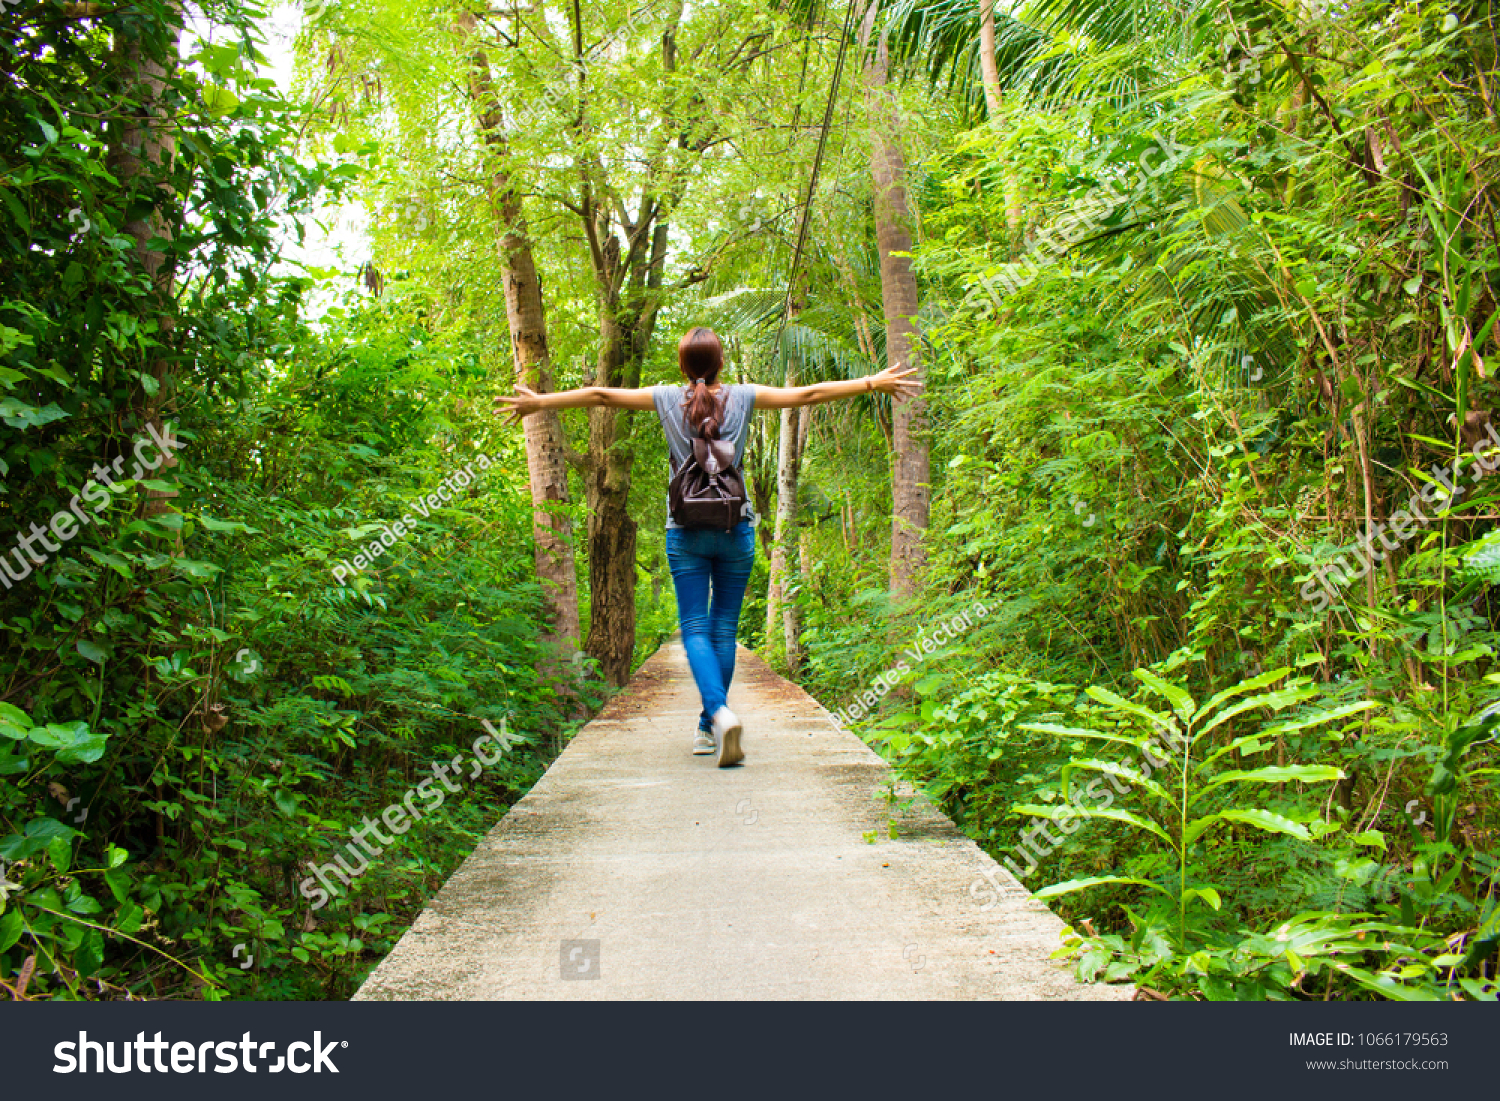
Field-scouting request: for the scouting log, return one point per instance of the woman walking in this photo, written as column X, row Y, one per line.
column 710, row 564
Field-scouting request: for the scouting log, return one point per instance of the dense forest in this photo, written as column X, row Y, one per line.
column 1172, row 589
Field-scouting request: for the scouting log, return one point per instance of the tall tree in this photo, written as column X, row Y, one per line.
column 781, row 609
column 910, row 488
column 994, row 102
column 989, row 70
column 525, row 308
column 141, row 151
column 627, row 233
column 628, row 276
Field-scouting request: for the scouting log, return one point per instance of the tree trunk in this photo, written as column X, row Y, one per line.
column 525, row 310
column 988, row 68
column 781, row 610
column 146, row 145
column 546, row 452
column 994, row 102
column 791, row 615
column 760, row 490
column 611, row 545
column 898, row 292
column 629, row 283
column 611, row 531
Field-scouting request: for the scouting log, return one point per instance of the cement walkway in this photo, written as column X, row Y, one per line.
column 634, row 870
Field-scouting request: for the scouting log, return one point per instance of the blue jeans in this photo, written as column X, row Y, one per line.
column 700, row 561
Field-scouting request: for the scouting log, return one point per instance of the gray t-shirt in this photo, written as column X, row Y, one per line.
column 739, row 401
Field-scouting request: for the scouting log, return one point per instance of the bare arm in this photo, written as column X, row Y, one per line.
column 893, row 380
column 525, row 402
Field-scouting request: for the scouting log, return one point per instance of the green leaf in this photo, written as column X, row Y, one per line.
column 61, row 852
column 113, row 561
column 1245, row 744
column 1181, row 702
column 118, row 883
column 83, row 904
column 18, row 212
column 17, row 414
column 219, row 100
column 1114, row 768
column 74, row 742
column 12, row 763
column 1254, row 684
column 1208, row 894
column 1072, row 885
column 1388, row 987
column 930, row 684
column 38, row 834
column 227, row 525
column 14, row 723
column 10, row 929
column 1261, row 819
column 1342, row 712
column 1112, row 813
column 92, row 651
column 1081, row 732
column 129, row 918
column 1274, row 774
column 1108, row 698
column 1276, row 701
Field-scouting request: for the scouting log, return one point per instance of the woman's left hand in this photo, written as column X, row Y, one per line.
column 518, row 406
column 896, row 380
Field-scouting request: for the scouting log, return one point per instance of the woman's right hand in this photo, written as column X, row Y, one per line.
column 897, row 380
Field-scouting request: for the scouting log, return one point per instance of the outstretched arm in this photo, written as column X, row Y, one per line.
column 893, row 380
column 525, row 402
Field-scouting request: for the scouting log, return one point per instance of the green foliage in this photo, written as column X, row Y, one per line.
column 1246, row 308
column 1209, row 295
column 202, row 693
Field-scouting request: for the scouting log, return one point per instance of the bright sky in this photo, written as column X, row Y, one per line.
column 338, row 240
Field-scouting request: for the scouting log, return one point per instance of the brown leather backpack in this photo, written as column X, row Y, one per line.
column 708, row 491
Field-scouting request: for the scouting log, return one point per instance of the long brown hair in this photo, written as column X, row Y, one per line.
column 701, row 357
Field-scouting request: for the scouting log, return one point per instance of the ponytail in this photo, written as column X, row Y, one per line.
column 701, row 357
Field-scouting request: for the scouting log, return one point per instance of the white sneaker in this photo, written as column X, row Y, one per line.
column 727, row 731
column 703, row 744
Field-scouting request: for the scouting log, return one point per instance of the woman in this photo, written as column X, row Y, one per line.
column 705, row 561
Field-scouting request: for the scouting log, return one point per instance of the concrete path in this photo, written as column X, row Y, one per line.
column 634, row 870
